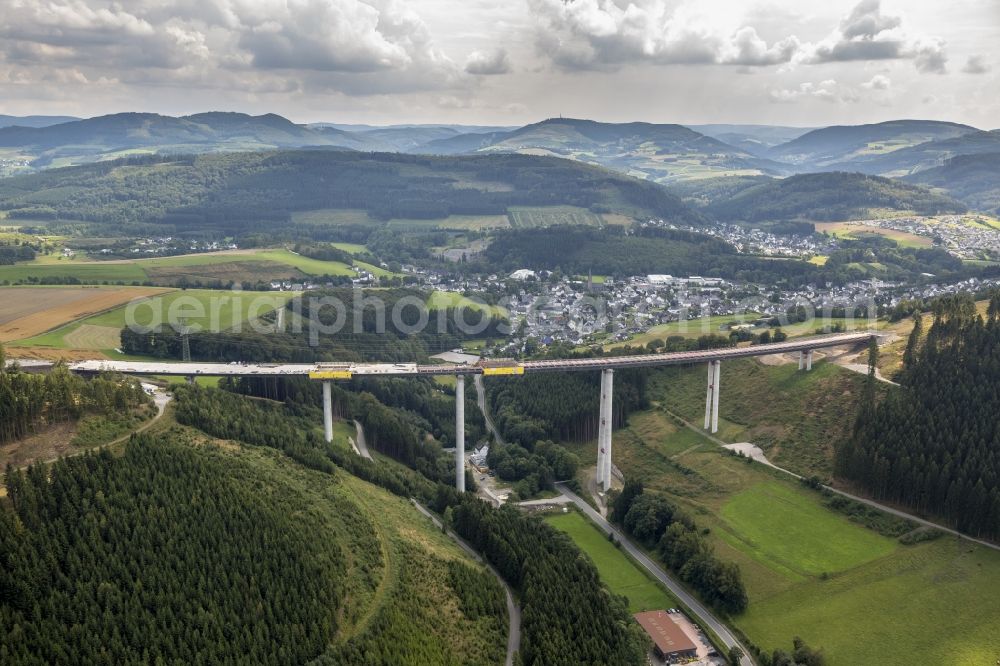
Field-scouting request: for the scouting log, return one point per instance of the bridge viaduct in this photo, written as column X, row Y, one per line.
column 328, row 372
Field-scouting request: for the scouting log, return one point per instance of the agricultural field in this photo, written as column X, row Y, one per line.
column 30, row 311
column 452, row 222
column 452, row 299
column 340, row 217
column 850, row 230
column 225, row 266
column 810, row 571
column 548, row 216
column 619, row 573
column 334, row 217
column 203, row 309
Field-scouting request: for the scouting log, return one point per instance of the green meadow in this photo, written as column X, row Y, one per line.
column 809, row 571
column 619, row 573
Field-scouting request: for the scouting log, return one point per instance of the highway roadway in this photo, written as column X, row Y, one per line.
column 348, row 370
column 705, row 617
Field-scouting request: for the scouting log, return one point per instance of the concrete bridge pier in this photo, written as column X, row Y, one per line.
column 327, row 412
column 806, row 360
column 809, row 360
column 712, row 396
column 604, row 430
column 460, row 433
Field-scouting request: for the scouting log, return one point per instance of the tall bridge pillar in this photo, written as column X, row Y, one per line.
column 809, row 360
column 327, row 412
column 604, row 430
column 802, row 360
column 712, row 396
column 460, row 433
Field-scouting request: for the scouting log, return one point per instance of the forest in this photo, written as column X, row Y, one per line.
column 933, row 444
column 830, row 196
column 11, row 254
column 658, row 523
column 98, row 564
column 567, row 615
column 559, row 406
column 238, row 194
column 29, row 402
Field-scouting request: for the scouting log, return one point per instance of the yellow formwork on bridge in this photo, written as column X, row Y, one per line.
column 330, row 374
column 505, row 370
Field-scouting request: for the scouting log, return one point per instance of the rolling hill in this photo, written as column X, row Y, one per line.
column 972, row 179
column 930, row 154
column 34, row 121
column 241, row 193
column 847, row 147
column 829, row 196
column 662, row 153
column 113, row 135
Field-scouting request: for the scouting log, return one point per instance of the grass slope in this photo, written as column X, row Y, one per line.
column 617, row 571
column 796, row 417
column 811, row 572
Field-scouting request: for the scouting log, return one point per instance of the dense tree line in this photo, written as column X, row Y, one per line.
column 567, row 616
column 533, row 470
column 10, row 254
column 657, row 522
column 29, row 402
column 163, row 555
column 560, row 406
column 933, row 445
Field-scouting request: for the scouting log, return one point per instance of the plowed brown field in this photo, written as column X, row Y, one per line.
column 29, row 311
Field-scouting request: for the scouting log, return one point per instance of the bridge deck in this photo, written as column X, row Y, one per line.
column 405, row 370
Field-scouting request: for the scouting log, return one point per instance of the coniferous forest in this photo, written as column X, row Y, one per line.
column 934, row 445
column 159, row 556
column 544, row 566
column 29, row 402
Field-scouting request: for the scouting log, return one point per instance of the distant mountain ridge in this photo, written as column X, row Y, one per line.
column 842, row 147
column 34, row 121
column 666, row 153
column 658, row 152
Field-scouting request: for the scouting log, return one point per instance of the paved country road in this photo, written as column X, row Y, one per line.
column 703, row 614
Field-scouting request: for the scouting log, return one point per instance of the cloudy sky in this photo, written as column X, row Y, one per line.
column 798, row 62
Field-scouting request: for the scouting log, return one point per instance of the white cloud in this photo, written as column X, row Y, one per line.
column 878, row 82
column 358, row 46
column 747, row 48
column 976, row 64
column 488, row 62
column 601, row 34
column 826, row 91
column 868, row 34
